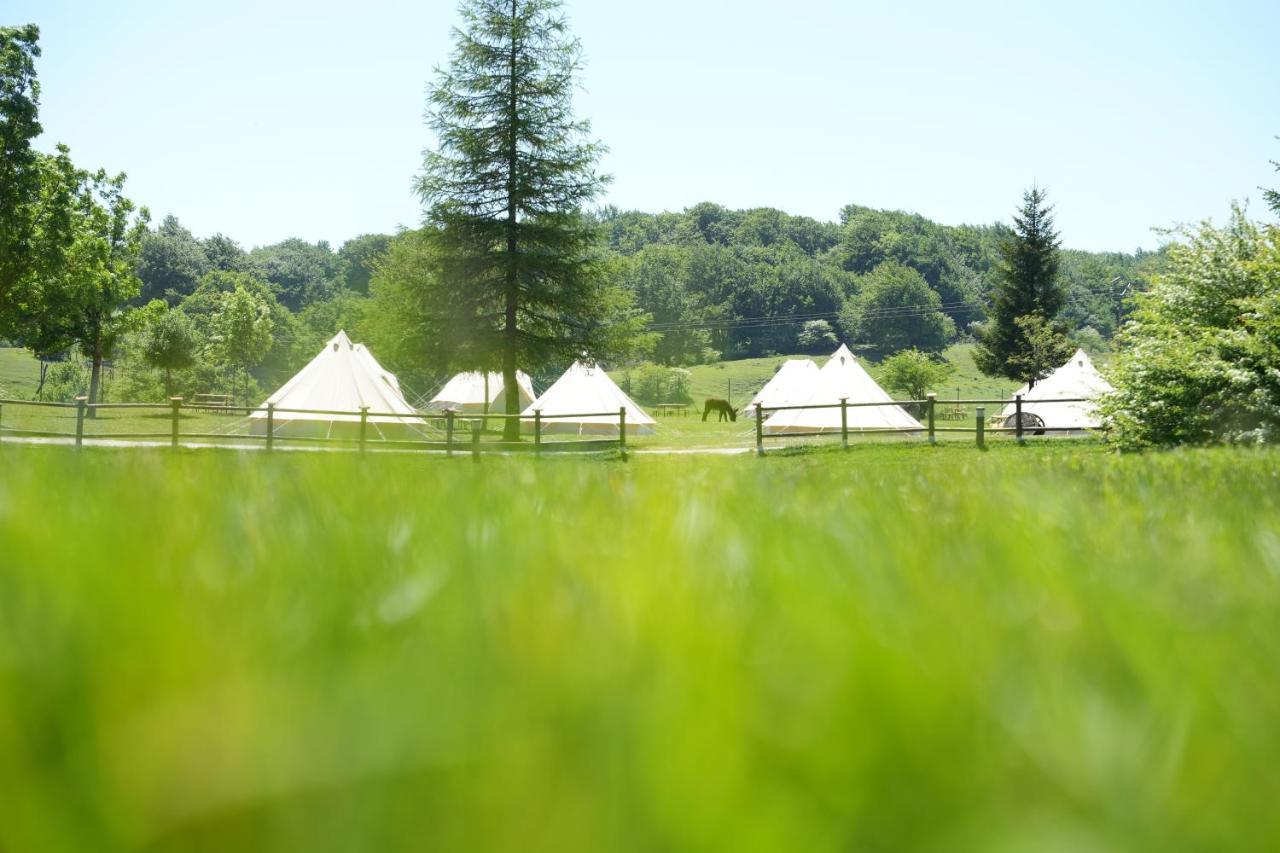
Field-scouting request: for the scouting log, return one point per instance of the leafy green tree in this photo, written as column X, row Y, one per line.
column 361, row 254
column 517, row 265
column 224, row 254
column 82, row 301
column 1200, row 359
column 952, row 260
column 817, row 336
column 37, row 196
column 657, row 278
column 242, row 333
column 896, row 310
column 1044, row 347
column 289, row 349
column 41, row 312
column 169, row 341
column 19, row 162
column 404, row 322
column 299, row 272
column 1027, row 287
column 320, row 321
column 914, row 373
column 171, row 262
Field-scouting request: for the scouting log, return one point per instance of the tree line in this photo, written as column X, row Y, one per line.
column 513, row 268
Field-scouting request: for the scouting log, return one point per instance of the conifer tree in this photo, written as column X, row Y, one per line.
column 516, row 277
column 1021, row 340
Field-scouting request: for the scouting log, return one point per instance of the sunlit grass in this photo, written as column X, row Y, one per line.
column 893, row 648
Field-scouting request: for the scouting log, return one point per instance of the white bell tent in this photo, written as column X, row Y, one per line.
column 586, row 390
column 842, row 377
column 465, row 392
column 343, row 378
column 790, row 386
column 1078, row 379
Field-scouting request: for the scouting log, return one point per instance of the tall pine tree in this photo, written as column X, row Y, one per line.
column 516, row 277
column 1021, row 340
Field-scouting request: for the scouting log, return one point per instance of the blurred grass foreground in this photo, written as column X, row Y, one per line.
column 894, row 648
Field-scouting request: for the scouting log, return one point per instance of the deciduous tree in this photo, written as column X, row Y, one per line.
column 914, row 373
column 1200, row 359
column 896, row 310
column 169, row 341
column 241, row 333
column 36, row 190
column 171, row 262
column 82, row 300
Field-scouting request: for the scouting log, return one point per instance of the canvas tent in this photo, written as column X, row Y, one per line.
column 466, row 393
column 587, row 390
column 841, row 376
column 790, row 386
column 1077, row 379
column 343, row 378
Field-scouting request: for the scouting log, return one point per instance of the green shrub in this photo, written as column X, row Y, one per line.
column 1200, row 360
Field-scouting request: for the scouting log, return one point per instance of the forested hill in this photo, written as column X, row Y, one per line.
column 743, row 283
column 718, row 283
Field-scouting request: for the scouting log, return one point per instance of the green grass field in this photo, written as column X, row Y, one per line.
column 894, row 648
column 19, row 373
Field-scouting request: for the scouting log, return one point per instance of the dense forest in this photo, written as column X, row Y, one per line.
column 742, row 283
column 714, row 283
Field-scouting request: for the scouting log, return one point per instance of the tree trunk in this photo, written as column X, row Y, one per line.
column 95, row 374
column 510, row 334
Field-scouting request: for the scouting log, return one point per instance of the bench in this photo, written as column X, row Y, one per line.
column 212, row 401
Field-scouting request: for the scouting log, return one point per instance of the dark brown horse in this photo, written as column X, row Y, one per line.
column 721, row 408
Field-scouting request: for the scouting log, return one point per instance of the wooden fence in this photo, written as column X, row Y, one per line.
column 448, row 425
column 930, row 426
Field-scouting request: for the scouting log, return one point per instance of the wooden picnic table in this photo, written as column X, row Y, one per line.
column 216, row 401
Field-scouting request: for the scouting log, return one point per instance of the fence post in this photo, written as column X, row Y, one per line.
column 759, row 430
column 931, row 401
column 475, row 441
column 1, row 421
column 80, row 401
column 271, row 425
column 175, row 404
column 364, row 426
column 981, row 426
column 448, row 432
column 537, row 432
column 1017, row 404
column 622, row 432
column 844, row 422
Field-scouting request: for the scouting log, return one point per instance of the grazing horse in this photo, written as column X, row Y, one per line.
column 721, row 408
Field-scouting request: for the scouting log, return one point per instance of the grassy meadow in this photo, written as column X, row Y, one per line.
column 893, row 648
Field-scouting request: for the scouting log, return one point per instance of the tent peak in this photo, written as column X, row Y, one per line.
column 842, row 355
column 339, row 341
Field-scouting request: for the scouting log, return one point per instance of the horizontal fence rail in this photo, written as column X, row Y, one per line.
column 929, row 428
column 438, row 431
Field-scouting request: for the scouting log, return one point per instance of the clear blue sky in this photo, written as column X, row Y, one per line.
column 265, row 120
